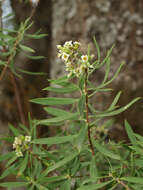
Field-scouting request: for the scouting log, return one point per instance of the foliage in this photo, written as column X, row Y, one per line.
column 78, row 157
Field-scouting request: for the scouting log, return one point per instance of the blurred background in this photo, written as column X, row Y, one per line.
column 110, row 21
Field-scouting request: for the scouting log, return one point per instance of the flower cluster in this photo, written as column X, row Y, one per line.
column 75, row 62
column 21, row 143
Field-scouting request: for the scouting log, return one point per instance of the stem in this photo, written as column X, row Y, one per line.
column 18, row 100
column 87, row 113
column 120, row 182
column 9, row 58
column 123, row 184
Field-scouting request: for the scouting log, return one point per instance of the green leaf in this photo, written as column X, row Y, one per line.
column 11, row 160
column 54, row 101
column 7, row 156
column 81, row 82
column 114, row 101
column 30, row 73
column 34, row 57
column 66, row 185
column 98, row 49
column 41, row 187
column 36, row 36
column 113, row 78
column 98, row 65
column 3, row 62
column 51, row 179
column 25, row 48
column 81, row 105
column 139, row 137
column 54, row 140
column 79, row 141
column 56, row 111
column 59, row 81
column 117, row 111
column 106, row 152
column 130, row 133
column 60, row 163
column 138, row 180
column 67, row 89
column 23, row 165
column 13, row 184
column 93, row 169
column 139, row 162
column 54, row 120
column 94, row 186
column 107, row 70
column 14, row 130
column 11, row 170
column 24, row 128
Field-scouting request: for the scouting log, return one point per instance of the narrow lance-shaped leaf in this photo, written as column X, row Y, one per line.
column 66, row 185
column 94, row 186
column 99, row 65
column 81, row 105
column 93, row 169
column 116, row 112
column 30, row 73
column 107, row 70
column 113, row 78
column 34, row 57
column 9, row 171
column 106, row 152
column 59, row 81
column 81, row 136
column 51, row 179
column 60, row 163
column 7, row 156
column 56, row 111
column 54, row 120
column 13, row 184
column 25, row 48
column 54, row 140
column 81, row 82
column 11, row 160
column 67, row 89
column 54, row 101
column 138, row 180
column 97, row 48
column 130, row 133
column 36, row 36
column 114, row 101
column 14, row 130
column 23, row 164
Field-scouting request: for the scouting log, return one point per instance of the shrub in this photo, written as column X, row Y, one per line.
column 77, row 158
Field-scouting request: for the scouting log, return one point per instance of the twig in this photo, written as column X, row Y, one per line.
column 123, row 184
column 120, row 182
column 87, row 113
column 9, row 58
column 18, row 100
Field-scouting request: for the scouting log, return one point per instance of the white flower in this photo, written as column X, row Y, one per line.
column 17, row 141
column 65, row 57
column 77, row 43
column 14, row 145
column 68, row 64
column 69, row 43
column 19, row 153
column 59, row 46
column 84, row 58
column 27, row 138
column 91, row 66
column 59, row 55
